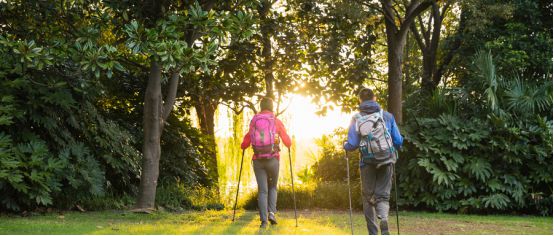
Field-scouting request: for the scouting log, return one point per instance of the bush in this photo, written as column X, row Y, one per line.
column 176, row 196
column 326, row 195
column 482, row 150
column 58, row 149
column 331, row 164
column 475, row 166
column 69, row 138
column 185, row 154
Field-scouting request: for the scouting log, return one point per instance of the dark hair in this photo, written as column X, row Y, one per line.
column 266, row 104
column 366, row 94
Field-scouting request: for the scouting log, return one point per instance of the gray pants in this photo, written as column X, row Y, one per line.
column 267, row 174
column 376, row 185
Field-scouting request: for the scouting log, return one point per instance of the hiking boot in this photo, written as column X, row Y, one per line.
column 272, row 218
column 384, row 225
column 263, row 225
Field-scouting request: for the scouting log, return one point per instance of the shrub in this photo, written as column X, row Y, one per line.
column 488, row 148
column 327, row 195
column 55, row 144
column 176, row 196
column 474, row 165
column 331, row 164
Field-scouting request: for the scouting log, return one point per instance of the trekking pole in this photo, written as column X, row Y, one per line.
column 293, row 193
column 349, row 194
column 238, row 185
column 396, row 194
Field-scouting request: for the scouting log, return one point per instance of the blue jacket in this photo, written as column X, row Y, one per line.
column 369, row 107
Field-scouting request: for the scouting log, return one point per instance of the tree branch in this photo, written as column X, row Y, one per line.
column 396, row 13
column 431, row 18
column 412, row 12
column 234, row 109
column 283, row 111
column 380, row 80
column 437, row 22
column 451, row 52
column 386, row 5
column 445, row 8
column 423, row 30
column 251, row 106
column 417, row 36
column 170, row 97
column 278, row 113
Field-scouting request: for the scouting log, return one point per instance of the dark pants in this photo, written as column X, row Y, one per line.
column 267, row 174
column 376, row 186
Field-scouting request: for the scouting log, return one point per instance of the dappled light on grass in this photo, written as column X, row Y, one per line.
column 247, row 222
column 214, row 222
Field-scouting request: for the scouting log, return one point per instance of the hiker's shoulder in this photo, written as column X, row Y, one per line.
column 264, row 114
column 357, row 116
column 388, row 116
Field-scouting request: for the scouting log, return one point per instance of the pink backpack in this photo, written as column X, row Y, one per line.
column 263, row 135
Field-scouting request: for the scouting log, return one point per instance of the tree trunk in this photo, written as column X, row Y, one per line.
column 427, row 84
column 395, row 59
column 205, row 110
column 396, row 41
column 428, row 41
column 454, row 46
column 152, row 123
column 266, row 30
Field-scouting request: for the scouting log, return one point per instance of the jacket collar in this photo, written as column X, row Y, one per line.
column 369, row 107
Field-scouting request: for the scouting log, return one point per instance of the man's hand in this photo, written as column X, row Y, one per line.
column 344, row 147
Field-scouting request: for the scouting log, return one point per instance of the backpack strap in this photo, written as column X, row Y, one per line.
column 357, row 117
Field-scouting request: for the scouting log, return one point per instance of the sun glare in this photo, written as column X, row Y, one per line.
column 300, row 119
column 304, row 123
column 301, row 122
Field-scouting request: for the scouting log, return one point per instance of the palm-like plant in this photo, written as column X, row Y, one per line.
column 487, row 71
column 527, row 98
column 512, row 97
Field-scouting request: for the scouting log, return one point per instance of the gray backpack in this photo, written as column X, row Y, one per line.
column 376, row 142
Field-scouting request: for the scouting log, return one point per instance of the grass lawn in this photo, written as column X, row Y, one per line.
column 310, row 222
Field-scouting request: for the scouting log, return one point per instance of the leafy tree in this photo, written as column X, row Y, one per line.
column 518, row 33
column 229, row 80
column 397, row 27
column 174, row 53
column 343, row 35
column 339, row 50
column 57, row 146
column 427, row 34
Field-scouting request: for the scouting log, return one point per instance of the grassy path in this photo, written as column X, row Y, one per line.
column 310, row 222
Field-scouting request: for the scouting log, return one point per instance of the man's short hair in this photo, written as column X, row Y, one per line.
column 266, row 104
column 366, row 94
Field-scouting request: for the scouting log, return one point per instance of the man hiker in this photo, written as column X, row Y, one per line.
column 375, row 133
column 264, row 132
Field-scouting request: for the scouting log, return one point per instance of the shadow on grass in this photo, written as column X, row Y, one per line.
column 225, row 225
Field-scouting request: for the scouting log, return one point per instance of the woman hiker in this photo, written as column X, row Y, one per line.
column 264, row 132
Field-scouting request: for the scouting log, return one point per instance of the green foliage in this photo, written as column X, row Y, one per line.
column 186, row 154
column 176, row 196
column 57, row 148
column 326, row 195
column 108, row 201
column 168, row 44
column 331, row 164
column 519, row 32
column 341, row 42
column 493, row 154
